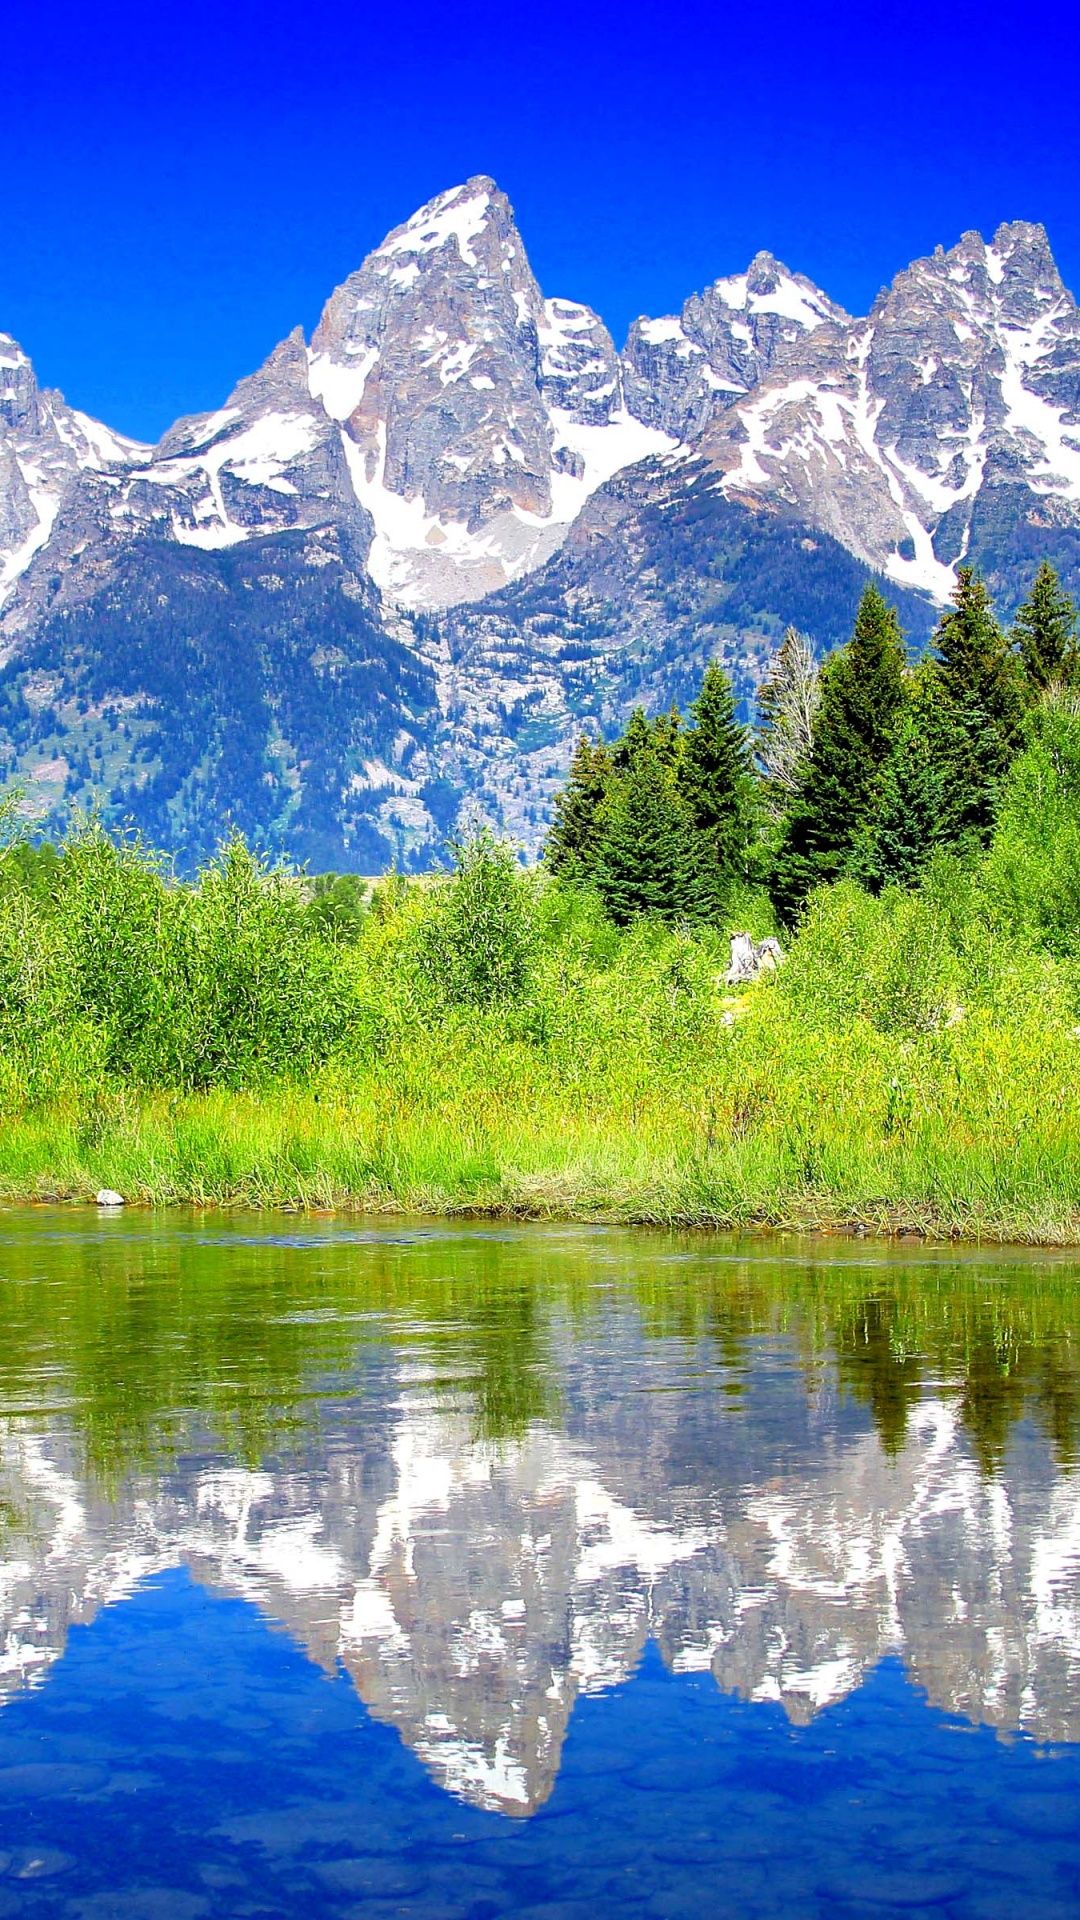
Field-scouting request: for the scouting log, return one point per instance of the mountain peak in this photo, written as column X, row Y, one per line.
column 681, row 373
column 469, row 406
column 1012, row 233
column 1015, row 271
column 11, row 354
column 460, row 215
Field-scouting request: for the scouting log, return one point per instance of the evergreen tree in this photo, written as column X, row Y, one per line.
column 638, row 738
column 1044, row 634
column 862, row 700
column 575, row 833
column 647, row 859
column 981, row 710
column 716, row 782
column 909, row 821
column 668, row 737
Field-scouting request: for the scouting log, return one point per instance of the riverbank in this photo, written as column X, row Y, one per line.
column 368, row 1150
column 493, row 1045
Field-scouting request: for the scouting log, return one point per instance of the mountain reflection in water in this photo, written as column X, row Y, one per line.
column 482, row 1474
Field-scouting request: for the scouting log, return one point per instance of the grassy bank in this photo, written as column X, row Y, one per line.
column 971, row 1131
column 294, row 1149
column 492, row 1044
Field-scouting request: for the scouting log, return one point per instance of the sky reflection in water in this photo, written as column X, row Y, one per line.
column 533, row 1571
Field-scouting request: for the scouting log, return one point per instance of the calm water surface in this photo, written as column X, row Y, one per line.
column 393, row 1568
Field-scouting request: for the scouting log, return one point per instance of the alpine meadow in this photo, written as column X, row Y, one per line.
column 564, row 1040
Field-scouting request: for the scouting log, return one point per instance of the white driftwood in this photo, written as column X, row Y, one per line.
column 750, row 958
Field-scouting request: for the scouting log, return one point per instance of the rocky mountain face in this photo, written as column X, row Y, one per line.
column 679, row 374
column 533, row 529
column 890, row 432
column 50, row 456
column 476, row 416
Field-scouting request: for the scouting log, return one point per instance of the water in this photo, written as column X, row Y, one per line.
column 391, row 1569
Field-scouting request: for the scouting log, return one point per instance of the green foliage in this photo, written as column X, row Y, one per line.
column 661, row 821
column 715, row 780
column 981, row 711
column 261, row 994
column 37, row 869
column 225, row 982
column 647, row 860
column 666, row 738
column 639, row 738
column 476, row 939
column 888, row 961
column 1044, row 635
column 1033, row 868
column 575, row 832
column 338, row 904
column 909, row 820
column 862, row 699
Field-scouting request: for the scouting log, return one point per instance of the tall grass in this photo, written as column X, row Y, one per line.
column 490, row 1043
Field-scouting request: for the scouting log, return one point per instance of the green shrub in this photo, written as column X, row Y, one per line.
column 477, row 936
column 259, row 991
column 1032, row 871
column 113, row 914
column 889, row 961
column 224, row 982
column 338, row 905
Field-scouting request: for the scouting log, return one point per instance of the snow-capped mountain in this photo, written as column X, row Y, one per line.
column 889, row 432
column 445, row 412
column 679, row 373
column 48, row 452
column 538, row 528
column 475, row 415
column 457, row 421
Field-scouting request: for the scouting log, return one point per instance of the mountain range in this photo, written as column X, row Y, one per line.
column 387, row 583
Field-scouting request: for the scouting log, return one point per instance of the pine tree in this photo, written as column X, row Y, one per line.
column 981, row 709
column 668, row 737
column 909, row 821
column 638, row 738
column 575, row 833
column 715, row 779
column 862, row 700
column 1044, row 634
column 647, row 858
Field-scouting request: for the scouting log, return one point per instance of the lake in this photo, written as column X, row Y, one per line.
column 383, row 1567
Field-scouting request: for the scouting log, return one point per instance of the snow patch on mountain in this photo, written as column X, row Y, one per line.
column 788, row 295
column 459, row 214
column 340, row 385
column 419, row 558
column 46, row 505
column 1056, row 468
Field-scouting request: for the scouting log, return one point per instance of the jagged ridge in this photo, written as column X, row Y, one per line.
column 452, row 434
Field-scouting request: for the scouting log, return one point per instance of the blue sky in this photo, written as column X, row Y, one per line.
column 181, row 185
